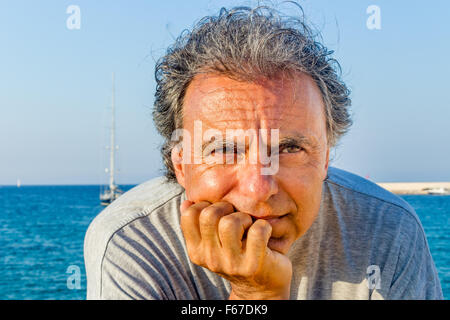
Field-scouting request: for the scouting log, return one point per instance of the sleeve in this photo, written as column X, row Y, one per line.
column 134, row 250
column 130, row 272
column 415, row 276
column 118, row 267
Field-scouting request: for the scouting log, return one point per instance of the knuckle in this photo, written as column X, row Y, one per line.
column 219, row 208
column 208, row 214
column 207, row 218
column 193, row 210
column 225, row 206
column 228, row 223
column 246, row 218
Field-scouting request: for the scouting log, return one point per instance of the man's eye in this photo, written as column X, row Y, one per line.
column 224, row 150
column 290, row 149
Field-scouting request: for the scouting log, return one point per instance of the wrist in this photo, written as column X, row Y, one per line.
column 240, row 295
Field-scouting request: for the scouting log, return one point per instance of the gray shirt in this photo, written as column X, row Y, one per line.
column 366, row 243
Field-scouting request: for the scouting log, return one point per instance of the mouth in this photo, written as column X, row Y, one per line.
column 268, row 218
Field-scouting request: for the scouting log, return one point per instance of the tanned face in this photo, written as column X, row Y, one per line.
column 288, row 198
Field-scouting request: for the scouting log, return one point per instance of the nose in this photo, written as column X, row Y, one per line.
column 255, row 189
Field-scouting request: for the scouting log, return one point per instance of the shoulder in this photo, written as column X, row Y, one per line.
column 349, row 183
column 364, row 211
column 137, row 203
column 349, row 189
column 385, row 225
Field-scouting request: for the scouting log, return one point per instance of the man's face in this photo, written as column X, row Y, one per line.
column 289, row 198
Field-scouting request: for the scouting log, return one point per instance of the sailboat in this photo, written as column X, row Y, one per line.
column 112, row 192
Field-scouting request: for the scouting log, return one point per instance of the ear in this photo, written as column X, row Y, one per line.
column 178, row 165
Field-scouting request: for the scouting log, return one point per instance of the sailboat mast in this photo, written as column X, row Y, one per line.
column 112, row 185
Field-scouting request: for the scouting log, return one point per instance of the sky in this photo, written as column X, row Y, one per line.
column 55, row 85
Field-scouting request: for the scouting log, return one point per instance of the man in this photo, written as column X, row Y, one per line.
column 249, row 105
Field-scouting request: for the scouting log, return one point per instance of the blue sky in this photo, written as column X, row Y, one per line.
column 55, row 86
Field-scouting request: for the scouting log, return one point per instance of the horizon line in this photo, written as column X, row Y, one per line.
column 137, row 183
column 66, row 184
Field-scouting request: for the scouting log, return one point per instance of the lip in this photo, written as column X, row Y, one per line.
column 272, row 217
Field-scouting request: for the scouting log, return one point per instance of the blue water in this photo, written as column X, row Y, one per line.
column 42, row 230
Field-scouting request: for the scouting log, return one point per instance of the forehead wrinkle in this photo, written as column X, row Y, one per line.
column 235, row 105
column 238, row 98
column 248, row 117
column 239, row 122
column 237, row 102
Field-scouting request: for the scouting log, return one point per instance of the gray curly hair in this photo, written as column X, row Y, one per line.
column 245, row 44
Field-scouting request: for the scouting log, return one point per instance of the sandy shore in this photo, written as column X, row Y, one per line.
column 415, row 187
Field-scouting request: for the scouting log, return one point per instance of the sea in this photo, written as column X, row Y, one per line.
column 42, row 230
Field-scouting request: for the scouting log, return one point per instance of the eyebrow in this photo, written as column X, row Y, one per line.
column 217, row 143
column 299, row 139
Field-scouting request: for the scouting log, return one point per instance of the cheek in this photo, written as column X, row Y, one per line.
column 299, row 183
column 207, row 185
column 306, row 190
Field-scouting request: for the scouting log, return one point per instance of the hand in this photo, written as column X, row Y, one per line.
column 230, row 244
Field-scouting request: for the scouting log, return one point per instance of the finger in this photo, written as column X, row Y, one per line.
column 189, row 221
column 231, row 230
column 209, row 221
column 186, row 204
column 257, row 238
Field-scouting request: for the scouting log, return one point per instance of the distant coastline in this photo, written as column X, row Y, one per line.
column 412, row 188
column 416, row 187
